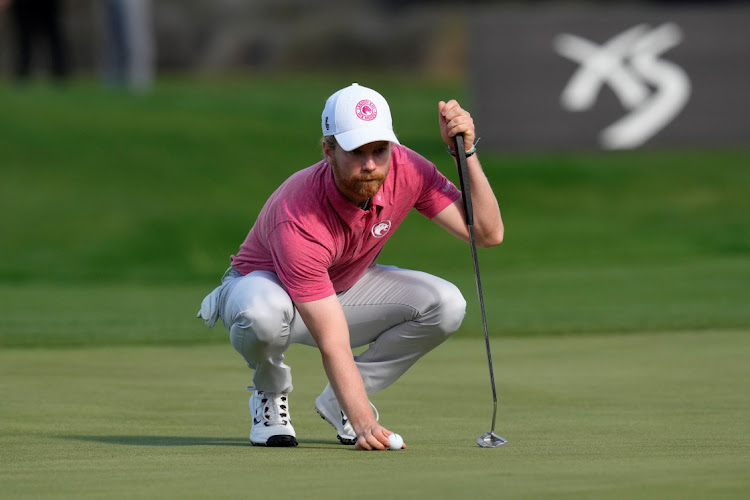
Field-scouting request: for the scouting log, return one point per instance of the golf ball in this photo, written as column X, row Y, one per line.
column 396, row 442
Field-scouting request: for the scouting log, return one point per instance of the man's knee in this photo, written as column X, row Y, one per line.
column 447, row 310
column 266, row 322
column 265, row 317
column 452, row 309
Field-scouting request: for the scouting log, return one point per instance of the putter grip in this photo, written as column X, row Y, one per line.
column 463, row 177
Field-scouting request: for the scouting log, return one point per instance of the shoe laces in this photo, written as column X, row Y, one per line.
column 274, row 408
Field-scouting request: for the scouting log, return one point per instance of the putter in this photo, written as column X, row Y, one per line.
column 489, row 439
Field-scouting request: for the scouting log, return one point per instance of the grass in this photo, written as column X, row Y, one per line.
column 111, row 192
column 622, row 416
column 617, row 307
column 707, row 295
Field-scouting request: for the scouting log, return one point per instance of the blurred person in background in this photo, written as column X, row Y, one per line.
column 307, row 273
column 37, row 21
column 129, row 48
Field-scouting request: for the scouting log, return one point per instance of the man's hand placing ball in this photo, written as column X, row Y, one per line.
column 379, row 438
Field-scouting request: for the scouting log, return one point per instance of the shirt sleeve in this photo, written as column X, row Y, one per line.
column 301, row 261
column 437, row 191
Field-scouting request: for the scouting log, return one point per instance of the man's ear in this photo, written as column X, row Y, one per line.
column 327, row 152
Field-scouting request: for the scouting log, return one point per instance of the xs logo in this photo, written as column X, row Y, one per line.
column 653, row 90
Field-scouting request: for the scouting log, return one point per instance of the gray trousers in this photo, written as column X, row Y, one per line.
column 401, row 314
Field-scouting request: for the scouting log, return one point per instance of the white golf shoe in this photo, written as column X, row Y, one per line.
column 272, row 425
column 329, row 409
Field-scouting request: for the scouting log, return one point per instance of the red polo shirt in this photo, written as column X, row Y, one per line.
column 319, row 243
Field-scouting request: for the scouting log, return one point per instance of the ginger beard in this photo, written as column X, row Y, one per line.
column 360, row 186
column 364, row 185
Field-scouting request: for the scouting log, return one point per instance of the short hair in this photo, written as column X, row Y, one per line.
column 331, row 141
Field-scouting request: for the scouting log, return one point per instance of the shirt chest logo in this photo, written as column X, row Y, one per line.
column 381, row 228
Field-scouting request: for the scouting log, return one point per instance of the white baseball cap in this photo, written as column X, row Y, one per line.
column 356, row 115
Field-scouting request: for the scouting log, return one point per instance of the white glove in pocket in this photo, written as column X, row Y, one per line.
column 210, row 308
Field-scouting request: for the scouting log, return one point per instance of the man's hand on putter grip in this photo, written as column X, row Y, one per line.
column 455, row 120
column 374, row 437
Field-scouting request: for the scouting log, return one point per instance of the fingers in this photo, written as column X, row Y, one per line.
column 455, row 120
column 375, row 438
column 450, row 109
column 462, row 124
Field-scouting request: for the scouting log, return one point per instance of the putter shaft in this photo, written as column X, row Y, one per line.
column 484, row 325
column 490, row 439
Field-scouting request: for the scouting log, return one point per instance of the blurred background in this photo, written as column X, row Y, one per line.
column 198, row 37
column 247, row 36
column 139, row 139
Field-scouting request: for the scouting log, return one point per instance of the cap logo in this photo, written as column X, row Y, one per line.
column 366, row 110
column 381, row 228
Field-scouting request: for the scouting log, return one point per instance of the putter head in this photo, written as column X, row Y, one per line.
column 491, row 440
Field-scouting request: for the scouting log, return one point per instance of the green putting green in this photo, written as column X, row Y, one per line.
column 619, row 416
